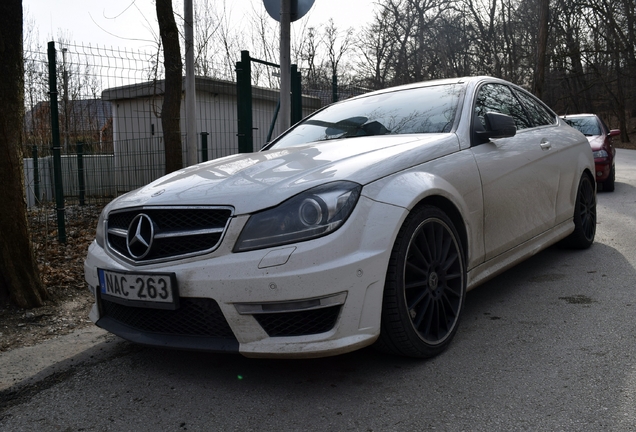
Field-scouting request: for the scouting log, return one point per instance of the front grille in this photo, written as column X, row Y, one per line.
column 177, row 232
column 300, row 323
column 194, row 317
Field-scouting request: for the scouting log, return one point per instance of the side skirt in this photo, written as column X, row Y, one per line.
column 503, row 262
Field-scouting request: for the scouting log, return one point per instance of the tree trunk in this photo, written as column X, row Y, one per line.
column 539, row 76
column 19, row 277
column 171, row 109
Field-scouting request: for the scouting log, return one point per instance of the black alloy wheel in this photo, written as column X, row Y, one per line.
column 425, row 286
column 609, row 184
column 584, row 215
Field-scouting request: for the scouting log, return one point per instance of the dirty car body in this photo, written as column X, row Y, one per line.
column 366, row 223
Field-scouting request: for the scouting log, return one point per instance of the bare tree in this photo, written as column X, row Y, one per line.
column 544, row 12
column 206, row 32
column 376, row 46
column 171, row 108
column 19, row 277
column 308, row 55
column 338, row 44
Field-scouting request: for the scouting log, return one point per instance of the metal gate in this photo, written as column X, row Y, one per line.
column 245, row 105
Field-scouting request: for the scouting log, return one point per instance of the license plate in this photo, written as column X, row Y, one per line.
column 151, row 290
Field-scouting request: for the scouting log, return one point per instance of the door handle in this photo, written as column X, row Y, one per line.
column 545, row 145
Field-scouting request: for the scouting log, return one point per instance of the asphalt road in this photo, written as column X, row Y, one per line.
column 549, row 345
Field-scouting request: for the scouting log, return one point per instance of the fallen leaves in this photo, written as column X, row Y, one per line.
column 61, row 267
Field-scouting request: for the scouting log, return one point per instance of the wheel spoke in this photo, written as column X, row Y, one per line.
column 446, row 317
column 433, row 310
column 453, row 276
column 587, row 209
column 450, row 260
column 445, row 248
column 438, row 248
column 417, row 299
column 424, row 242
column 415, row 268
column 416, row 284
column 455, row 291
column 452, row 304
column 422, row 313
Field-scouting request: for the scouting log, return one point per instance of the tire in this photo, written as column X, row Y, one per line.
column 608, row 185
column 584, row 216
column 425, row 286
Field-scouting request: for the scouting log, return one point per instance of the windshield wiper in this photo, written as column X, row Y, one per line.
column 350, row 128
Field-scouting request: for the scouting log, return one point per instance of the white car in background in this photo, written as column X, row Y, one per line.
column 366, row 223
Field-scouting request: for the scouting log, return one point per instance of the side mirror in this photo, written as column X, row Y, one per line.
column 497, row 126
column 615, row 132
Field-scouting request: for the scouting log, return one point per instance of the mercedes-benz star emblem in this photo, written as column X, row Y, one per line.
column 141, row 233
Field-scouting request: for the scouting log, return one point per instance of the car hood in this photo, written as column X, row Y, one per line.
column 254, row 181
column 596, row 141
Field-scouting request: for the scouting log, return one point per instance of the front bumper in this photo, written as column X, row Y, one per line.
column 603, row 168
column 314, row 298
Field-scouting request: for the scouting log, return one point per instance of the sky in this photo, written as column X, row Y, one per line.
column 128, row 23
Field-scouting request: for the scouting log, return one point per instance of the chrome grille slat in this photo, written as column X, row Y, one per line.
column 179, row 232
column 118, row 232
column 189, row 233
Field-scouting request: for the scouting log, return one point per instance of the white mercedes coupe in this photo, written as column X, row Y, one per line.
column 365, row 223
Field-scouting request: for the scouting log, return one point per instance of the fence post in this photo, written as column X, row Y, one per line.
column 334, row 88
column 80, row 172
column 296, row 96
column 204, row 146
column 59, row 193
column 36, row 175
column 244, row 103
column 273, row 123
column 55, row 135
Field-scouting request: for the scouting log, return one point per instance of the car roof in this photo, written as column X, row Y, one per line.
column 435, row 82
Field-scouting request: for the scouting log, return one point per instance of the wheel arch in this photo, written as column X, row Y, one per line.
column 448, row 207
column 589, row 173
column 455, row 191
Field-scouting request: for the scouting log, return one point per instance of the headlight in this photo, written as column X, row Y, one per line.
column 600, row 154
column 310, row 214
column 99, row 232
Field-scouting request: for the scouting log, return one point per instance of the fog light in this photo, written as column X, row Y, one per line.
column 599, row 173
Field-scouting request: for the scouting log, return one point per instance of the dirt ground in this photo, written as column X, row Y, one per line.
column 62, row 270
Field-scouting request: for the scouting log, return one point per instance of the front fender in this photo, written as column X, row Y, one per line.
column 453, row 178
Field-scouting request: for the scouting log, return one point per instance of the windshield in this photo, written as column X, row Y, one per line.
column 586, row 125
column 418, row 110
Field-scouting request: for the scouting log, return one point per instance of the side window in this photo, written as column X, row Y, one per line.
column 499, row 98
column 539, row 116
column 604, row 127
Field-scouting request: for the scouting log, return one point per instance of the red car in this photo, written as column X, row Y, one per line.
column 600, row 138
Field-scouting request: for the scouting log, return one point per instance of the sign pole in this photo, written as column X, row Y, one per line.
column 285, row 64
column 286, row 11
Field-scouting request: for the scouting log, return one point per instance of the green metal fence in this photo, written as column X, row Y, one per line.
column 104, row 104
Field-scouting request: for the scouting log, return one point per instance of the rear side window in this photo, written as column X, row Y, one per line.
column 538, row 115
